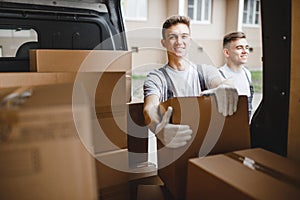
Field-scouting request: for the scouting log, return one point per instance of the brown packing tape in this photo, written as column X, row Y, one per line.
column 254, row 165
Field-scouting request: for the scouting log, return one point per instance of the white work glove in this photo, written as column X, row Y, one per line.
column 226, row 97
column 172, row 135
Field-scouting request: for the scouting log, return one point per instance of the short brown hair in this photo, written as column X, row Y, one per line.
column 173, row 20
column 232, row 37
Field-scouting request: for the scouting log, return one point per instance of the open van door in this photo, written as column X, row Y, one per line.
column 60, row 24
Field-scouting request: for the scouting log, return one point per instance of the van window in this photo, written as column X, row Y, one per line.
column 12, row 39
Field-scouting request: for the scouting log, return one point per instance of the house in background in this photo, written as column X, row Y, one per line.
column 211, row 20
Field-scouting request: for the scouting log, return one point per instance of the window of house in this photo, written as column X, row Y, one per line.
column 135, row 9
column 199, row 10
column 251, row 14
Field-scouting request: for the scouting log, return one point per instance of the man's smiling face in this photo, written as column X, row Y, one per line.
column 238, row 51
column 177, row 40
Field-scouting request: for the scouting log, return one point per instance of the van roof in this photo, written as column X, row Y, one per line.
column 82, row 4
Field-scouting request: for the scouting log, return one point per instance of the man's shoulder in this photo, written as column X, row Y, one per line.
column 155, row 74
column 223, row 67
column 156, row 71
column 246, row 69
column 209, row 68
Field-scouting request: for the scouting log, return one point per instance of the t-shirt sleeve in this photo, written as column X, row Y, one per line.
column 153, row 84
column 212, row 76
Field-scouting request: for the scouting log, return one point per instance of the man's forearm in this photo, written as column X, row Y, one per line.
column 150, row 111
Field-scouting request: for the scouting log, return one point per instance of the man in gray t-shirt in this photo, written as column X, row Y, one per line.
column 178, row 78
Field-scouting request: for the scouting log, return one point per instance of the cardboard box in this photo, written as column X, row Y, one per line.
column 113, row 169
column 58, row 60
column 245, row 174
column 212, row 133
column 109, row 84
column 137, row 137
column 118, row 180
column 41, row 154
column 106, row 75
column 16, row 79
column 129, row 190
column 107, row 94
column 150, row 192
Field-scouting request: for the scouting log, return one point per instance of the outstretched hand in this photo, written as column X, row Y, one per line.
column 226, row 97
column 172, row 135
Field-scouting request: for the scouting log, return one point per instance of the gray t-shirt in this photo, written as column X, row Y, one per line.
column 185, row 83
column 238, row 78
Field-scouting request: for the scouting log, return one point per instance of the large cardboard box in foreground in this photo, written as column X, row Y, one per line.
column 245, row 174
column 41, row 154
column 212, row 133
column 107, row 94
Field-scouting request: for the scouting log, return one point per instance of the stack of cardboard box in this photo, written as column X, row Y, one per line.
column 104, row 77
column 212, row 134
column 218, row 162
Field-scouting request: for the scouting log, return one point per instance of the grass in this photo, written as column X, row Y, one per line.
column 137, row 87
column 257, row 80
column 138, row 77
